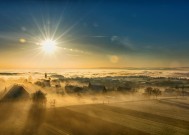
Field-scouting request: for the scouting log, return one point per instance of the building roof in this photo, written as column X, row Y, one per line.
column 17, row 92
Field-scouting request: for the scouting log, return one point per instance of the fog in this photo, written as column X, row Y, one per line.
column 102, row 103
column 93, row 73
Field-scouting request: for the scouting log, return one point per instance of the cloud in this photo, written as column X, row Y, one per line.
column 124, row 41
column 76, row 51
column 95, row 25
column 23, row 28
column 114, row 38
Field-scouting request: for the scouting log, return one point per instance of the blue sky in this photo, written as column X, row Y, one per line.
column 144, row 31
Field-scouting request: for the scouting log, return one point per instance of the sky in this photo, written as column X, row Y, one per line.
column 94, row 34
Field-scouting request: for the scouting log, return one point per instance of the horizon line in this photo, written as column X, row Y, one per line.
column 103, row 68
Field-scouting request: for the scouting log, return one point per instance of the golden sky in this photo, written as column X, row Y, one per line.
column 88, row 34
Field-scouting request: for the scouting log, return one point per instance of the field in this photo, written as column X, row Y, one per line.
column 94, row 67
column 157, row 117
column 99, row 105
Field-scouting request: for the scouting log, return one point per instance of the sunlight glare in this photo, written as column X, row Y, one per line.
column 48, row 45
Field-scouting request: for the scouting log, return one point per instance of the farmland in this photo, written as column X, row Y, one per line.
column 125, row 105
column 155, row 117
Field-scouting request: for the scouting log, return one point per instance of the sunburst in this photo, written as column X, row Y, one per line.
column 48, row 45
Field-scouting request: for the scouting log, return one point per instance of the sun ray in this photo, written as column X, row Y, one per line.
column 48, row 45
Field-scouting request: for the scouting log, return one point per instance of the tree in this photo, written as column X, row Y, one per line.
column 156, row 92
column 182, row 90
column 39, row 97
column 152, row 91
column 148, row 91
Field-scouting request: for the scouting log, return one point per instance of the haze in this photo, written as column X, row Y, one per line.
column 94, row 67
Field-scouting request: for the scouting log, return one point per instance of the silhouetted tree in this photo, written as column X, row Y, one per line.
column 152, row 91
column 39, row 97
column 156, row 92
column 182, row 90
column 148, row 91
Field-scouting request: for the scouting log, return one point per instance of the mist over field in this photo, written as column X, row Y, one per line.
column 103, row 100
column 92, row 73
column 94, row 67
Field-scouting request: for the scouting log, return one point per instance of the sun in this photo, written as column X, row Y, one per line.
column 48, row 45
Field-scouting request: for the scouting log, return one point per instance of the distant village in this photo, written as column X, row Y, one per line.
column 146, row 86
column 127, row 84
